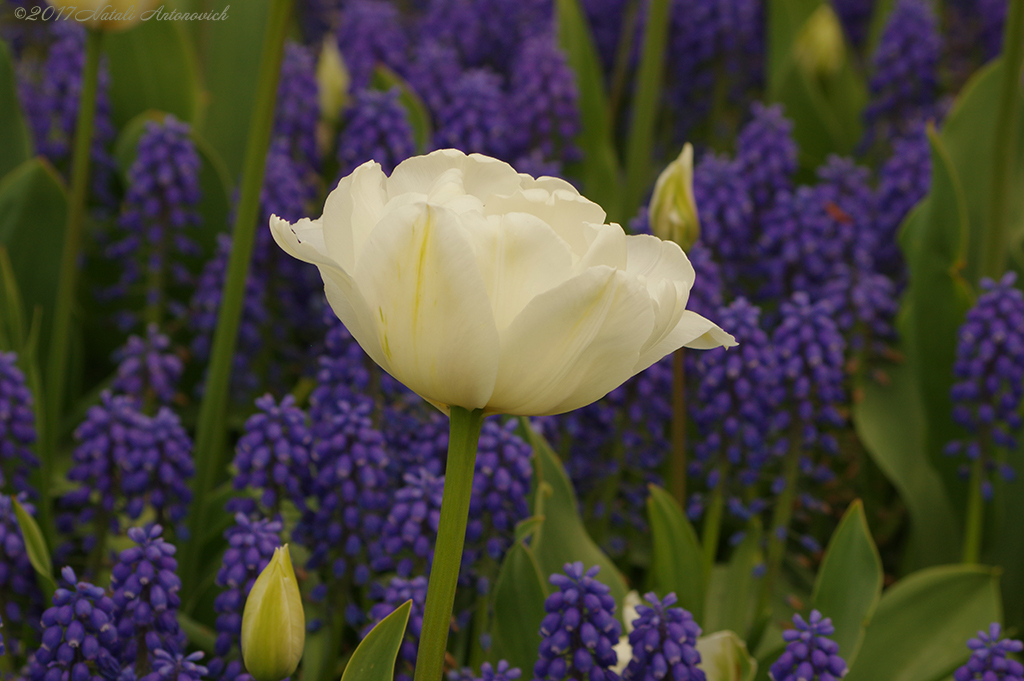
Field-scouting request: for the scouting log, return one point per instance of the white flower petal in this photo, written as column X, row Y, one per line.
column 482, row 176
column 573, row 344
column 692, row 331
column 427, row 299
column 607, row 246
column 352, row 211
column 568, row 213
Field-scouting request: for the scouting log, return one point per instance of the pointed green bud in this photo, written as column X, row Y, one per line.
column 819, row 47
column 332, row 80
column 673, row 211
column 273, row 624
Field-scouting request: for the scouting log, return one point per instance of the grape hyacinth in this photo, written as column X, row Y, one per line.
column 903, row 180
column 726, row 211
column 342, row 373
column 298, row 106
column 176, row 667
column 389, row 598
column 989, row 370
column 251, row 545
column 989, row 661
column 272, row 456
column 503, row 672
column 17, row 427
column 664, row 641
column 579, row 632
column 369, row 33
column 476, row 118
column 412, row 522
column 766, row 153
column 434, row 68
column 127, row 462
column 147, row 368
column 376, row 128
column 79, row 636
column 486, row 32
column 145, row 593
column 810, row 655
column 342, row 525
column 904, row 84
column 19, row 593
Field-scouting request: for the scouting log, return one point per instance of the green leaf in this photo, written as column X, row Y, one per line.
column 14, row 135
column 920, row 629
column 153, row 66
column 849, row 583
column 562, row 538
column 528, row 527
column 599, row 171
column 198, row 634
column 374, row 658
column 734, row 610
column 678, row 560
column 35, row 547
column 231, row 91
column 518, row 606
column 12, row 315
column 890, row 421
column 785, row 18
column 385, row 78
column 724, row 657
column 33, row 207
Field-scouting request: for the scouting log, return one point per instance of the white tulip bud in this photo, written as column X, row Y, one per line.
column 273, row 623
column 819, row 47
column 673, row 210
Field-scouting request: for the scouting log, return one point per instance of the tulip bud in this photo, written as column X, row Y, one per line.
column 105, row 15
column 332, row 81
column 673, row 211
column 273, row 623
column 819, row 47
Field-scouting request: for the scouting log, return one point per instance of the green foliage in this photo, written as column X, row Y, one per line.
column 518, row 608
column 374, row 658
column 921, row 626
column 35, row 547
column 849, row 583
column 732, row 610
column 678, row 560
column 419, row 118
column 14, row 135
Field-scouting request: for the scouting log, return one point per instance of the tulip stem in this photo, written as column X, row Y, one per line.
column 67, row 281
column 677, row 468
column 210, row 429
column 975, row 515
column 464, row 436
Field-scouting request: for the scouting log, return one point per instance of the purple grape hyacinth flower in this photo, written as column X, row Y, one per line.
column 147, row 368
column 397, row 592
column 376, row 128
column 17, row 426
column 502, row 672
column 810, row 655
column 664, row 642
column 989, row 661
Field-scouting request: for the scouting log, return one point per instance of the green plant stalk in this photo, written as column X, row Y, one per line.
column 780, row 525
column 60, row 340
column 464, row 436
column 994, row 245
column 677, row 467
column 212, row 414
column 712, row 529
column 646, row 100
column 975, row 515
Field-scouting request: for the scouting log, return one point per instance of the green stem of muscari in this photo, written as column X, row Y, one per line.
column 464, row 436
column 210, row 429
column 994, row 241
column 60, row 341
column 780, row 526
column 646, row 104
column 975, row 514
column 677, row 466
column 713, row 519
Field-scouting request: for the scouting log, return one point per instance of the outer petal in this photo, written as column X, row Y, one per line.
column 572, row 345
column 352, row 211
column 568, row 213
column 520, row 257
column 482, row 175
column 428, row 304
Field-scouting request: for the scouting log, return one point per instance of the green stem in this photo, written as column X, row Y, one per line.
column 60, row 341
column 713, row 520
column 780, row 526
column 451, row 535
column 677, row 467
column 645, row 104
column 975, row 515
column 994, row 240
column 210, row 429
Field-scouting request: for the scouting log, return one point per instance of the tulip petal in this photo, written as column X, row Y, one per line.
column 429, row 307
column 482, row 176
column 571, row 216
column 352, row 211
column 573, row 344
column 520, row 257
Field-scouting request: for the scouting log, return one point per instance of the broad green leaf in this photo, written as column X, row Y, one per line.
column 890, row 421
column 231, row 91
column 153, row 66
column 518, row 606
column 599, row 171
column 562, row 538
column 528, row 527
column 1007, row 539
column 33, row 207
column 35, row 547
column 920, row 629
column 12, row 312
column 724, row 657
column 374, row 658
column 678, row 560
column 735, row 607
column 14, row 135
column 879, row 18
column 385, row 79
column 849, row 583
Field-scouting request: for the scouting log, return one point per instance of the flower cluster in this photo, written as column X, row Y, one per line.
column 810, row 655
column 989, row 661
column 503, row 672
column 20, row 595
column 17, row 426
column 147, row 368
column 664, row 641
column 989, row 370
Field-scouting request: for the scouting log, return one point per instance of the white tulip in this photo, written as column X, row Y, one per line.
column 483, row 288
